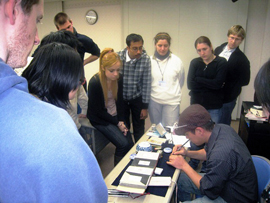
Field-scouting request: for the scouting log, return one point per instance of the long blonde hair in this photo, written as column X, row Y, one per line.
column 107, row 59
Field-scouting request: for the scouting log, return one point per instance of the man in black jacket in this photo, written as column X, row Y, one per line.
column 238, row 73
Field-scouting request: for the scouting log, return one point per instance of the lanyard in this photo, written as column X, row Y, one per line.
column 162, row 74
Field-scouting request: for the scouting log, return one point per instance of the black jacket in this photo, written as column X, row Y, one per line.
column 97, row 112
column 238, row 73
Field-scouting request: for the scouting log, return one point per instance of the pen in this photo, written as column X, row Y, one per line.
column 182, row 146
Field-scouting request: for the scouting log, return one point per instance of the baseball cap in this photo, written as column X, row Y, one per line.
column 192, row 117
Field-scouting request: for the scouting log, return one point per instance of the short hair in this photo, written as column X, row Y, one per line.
column 27, row 5
column 162, row 35
column 107, row 59
column 237, row 30
column 204, row 40
column 60, row 19
column 62, row 36
column 208, row 127
column 133, row 38
column 56, row 70
column 262, row 85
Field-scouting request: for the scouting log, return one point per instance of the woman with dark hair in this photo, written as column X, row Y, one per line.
column 262, row 87
column 55, row 74
column 206, row 77
column 105, row 103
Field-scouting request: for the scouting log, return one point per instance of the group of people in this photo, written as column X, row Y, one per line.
column 44, row 158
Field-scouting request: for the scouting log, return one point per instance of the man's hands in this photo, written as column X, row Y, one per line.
column 176, row 158
column 179, row 150
column 82, row 116
column 144, row 114
column 177, row 161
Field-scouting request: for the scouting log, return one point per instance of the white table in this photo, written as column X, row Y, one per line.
column 146, row 198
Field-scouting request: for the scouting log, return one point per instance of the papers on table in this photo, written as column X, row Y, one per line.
column 160, row 181
column 137, row 176
column 177, row 139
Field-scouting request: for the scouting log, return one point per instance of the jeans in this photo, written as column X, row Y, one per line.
column 123, row 143
column 226, row 112
column 135, row 107
column 162, row 113
column 195, row 162
column 215, row 116
column 187, row 187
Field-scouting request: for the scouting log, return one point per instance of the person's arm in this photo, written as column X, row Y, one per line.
column 146, row 87
column 92, row 48
column 192, row 84
column 242, row 68
column 82, row 100
column 90, row 59
column 217, row 82
column 182, row 75
column 198, row 154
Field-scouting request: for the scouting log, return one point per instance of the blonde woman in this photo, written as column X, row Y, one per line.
column 105, row 92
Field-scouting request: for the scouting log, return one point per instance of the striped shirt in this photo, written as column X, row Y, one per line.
column 230, row 172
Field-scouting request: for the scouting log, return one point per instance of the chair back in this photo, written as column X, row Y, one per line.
column 262, row 166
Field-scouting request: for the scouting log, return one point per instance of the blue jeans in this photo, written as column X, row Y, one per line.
column 215, row 116
column 162, row 113
column 187, row 187
column 226, row 112
column 123, row 143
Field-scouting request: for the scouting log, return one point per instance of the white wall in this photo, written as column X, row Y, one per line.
column 184, row 20
column 257, row 47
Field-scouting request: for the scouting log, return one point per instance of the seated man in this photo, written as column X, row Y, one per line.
column 230, row 173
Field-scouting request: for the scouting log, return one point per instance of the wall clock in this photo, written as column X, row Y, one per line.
column 91, row 17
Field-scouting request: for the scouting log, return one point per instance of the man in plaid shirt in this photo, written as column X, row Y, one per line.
column 136, row 83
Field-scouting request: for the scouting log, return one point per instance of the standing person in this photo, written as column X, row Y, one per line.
column 80, row 97
column 63, row 22
column 238, row 73
column 136, row 83
column 230, row 173
column 168, row 77
column 37, row 163
column 205, row 81
column 105, row 106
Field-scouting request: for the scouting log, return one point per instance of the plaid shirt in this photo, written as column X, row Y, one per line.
column 136, row 77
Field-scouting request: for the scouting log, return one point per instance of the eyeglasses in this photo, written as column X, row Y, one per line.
column 137, row 48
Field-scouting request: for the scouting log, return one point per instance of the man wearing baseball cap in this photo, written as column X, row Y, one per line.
column 230, row 173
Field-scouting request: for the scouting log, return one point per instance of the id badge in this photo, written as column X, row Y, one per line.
column 162, row 83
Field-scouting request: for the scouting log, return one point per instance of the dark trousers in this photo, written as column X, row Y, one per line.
column 123, row 143
column 134, row 107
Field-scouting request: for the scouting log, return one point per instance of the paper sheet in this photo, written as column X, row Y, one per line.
column 177, row 139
